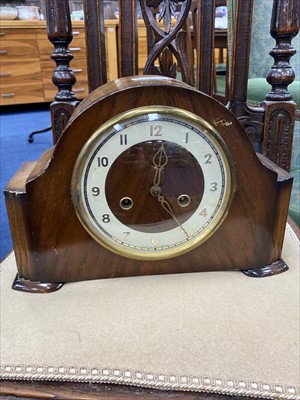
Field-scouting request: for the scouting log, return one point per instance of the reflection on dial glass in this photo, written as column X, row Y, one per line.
column 153, row 184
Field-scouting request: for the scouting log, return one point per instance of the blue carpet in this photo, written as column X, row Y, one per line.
column 15, row 126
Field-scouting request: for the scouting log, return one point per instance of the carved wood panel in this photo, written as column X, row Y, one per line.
column 167, row 45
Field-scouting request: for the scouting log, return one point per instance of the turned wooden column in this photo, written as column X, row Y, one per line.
column 95, row 43
column 128, row 38
column 250, row 117
column 59, row 29
column 279, row 107
column 205, row 30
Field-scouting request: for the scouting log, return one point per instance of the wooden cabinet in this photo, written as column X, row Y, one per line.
column 20, row 70
column 26, row 67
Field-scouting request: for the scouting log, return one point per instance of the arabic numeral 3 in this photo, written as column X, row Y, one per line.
column 213, row 186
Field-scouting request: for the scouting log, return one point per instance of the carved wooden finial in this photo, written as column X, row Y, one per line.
column 59, row 30
column 284, row 27
column 279, row 108
column 60, row 35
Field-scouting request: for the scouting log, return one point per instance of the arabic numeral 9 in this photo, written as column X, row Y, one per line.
column 95, row 191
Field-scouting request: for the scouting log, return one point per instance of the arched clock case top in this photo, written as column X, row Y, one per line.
column 111, row 183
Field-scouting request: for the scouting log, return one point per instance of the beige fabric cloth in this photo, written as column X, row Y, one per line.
column 218, row 332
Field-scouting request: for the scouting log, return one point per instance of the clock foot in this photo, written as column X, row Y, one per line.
column 277, row 267
column 25, row 285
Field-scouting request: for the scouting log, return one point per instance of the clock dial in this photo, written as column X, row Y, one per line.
column 153, row 183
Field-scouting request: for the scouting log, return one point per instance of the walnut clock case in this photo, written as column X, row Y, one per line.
column 149, row 177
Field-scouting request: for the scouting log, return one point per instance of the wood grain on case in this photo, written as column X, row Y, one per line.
column 248, row 238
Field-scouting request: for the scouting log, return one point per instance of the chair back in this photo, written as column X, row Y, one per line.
column 167, row 22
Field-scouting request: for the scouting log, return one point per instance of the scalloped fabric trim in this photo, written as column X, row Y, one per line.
column 150, row 380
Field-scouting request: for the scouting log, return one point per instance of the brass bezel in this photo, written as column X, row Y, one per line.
column 127, row 252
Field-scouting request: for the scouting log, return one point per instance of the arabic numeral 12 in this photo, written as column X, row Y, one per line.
column 155, row 130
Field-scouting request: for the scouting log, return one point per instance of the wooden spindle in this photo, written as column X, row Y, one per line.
column 128, row 38
column 242, row 22
column 205, row 45
column 284, row 27
column 279, row 108
column 59, row 30
column 95, row 43
column 239, row 50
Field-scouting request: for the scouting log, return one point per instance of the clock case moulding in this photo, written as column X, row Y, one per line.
column 52, row 247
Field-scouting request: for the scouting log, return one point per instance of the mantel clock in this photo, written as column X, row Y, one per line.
column 149, row 177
